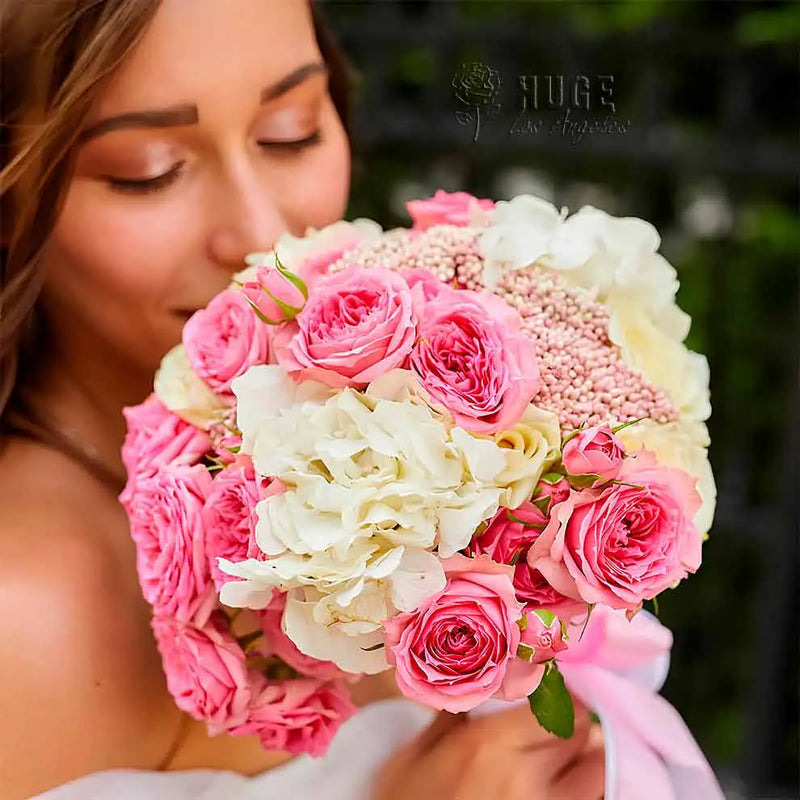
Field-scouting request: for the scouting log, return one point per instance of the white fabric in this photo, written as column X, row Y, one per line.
column 346, row 772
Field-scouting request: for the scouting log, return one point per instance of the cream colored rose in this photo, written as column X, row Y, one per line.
column 679, row 444
column 662, row 360
column 183, row 392
column 529, row 447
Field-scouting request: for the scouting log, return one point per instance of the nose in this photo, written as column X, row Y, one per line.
column 245, row 217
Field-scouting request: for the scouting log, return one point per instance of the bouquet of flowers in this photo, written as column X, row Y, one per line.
column 470, row 450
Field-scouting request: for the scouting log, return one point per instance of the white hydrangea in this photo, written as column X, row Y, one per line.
column 591, row 249
column 373, row 485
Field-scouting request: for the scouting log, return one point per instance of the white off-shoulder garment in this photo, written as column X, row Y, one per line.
column 346, row 772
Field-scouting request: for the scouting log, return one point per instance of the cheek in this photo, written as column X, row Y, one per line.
column 120, row 247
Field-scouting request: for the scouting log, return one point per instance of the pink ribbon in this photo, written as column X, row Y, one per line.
column 616, row 669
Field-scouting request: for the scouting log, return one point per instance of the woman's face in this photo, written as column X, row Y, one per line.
column 216, row 135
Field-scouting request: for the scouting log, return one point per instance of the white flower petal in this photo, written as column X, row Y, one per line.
column 419, row 575
column 349, row 653
column 180, row 389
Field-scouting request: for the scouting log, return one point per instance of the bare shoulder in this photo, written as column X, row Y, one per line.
column 83, row 688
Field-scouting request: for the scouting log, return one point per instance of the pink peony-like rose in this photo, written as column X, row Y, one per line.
column 279, row 644
column 224, row 339
column 473, row 359
column 594, row 451
column 167, row 525
column 206, row 670
column 507, row 541
column 357, row 325
column 296, row 716
column 229, row 519
column 155, row 438
column 453, row 651
column 544, row 634
column 623, row 544
column 444, row 208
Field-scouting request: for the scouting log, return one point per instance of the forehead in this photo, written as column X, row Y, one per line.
column 212, row 53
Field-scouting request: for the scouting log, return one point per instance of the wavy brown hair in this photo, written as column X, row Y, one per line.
column 55, row 58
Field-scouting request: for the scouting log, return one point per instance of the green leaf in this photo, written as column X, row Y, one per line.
column 525, row 652
column 547, row 617
column 513, row 518
column 551, row 477
column 618, row 428
column 257, row 311
column 552, row 705
column 290, row 311
column 295, row 280
column 594, row 718
column 543, row 504
column 582, row 481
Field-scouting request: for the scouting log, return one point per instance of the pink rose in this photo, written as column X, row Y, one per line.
column 357, row 325
column 544, row 634
column 279, row 644
column 205, row 669
column 296, row 716
column 157, row 437
column 473, row 359
column 622, row 544
column 229, row 519
column 507, row 541
column 453, row 651
column 167, row 526
column 224, row 339
column 445, row 208
column 594, row 451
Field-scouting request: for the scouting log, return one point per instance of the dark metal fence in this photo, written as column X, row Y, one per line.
column 706, row 100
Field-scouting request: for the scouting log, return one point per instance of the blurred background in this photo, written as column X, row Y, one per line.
column 684, row 113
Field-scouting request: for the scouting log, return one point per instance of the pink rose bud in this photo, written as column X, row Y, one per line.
column 276, row 298
column 594, row 451
column 543, row 636
column 557, row 491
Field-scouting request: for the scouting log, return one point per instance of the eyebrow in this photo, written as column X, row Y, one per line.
column 187, row 113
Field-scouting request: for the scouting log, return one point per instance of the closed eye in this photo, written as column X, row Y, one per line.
column 145, row 185
column 292, row 145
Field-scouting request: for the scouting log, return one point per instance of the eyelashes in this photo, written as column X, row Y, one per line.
column 160, row 182
column 292, row 145
column 143, row 186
